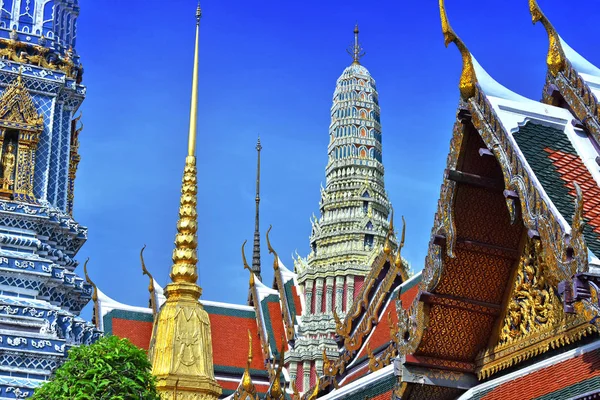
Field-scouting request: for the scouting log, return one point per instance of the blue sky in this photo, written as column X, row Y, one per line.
column 269, row 67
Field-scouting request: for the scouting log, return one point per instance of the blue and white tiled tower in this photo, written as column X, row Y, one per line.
column 40, row 92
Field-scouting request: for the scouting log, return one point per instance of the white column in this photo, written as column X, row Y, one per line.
column 339, row 293
column 329, row 294
column 349, row 292
column 308, row 290
column 319, row 367
column 319, row 294
column 306, row 372
column 293, row 371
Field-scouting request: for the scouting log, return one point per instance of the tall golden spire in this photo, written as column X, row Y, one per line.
column 181, row 345
column 356, row 50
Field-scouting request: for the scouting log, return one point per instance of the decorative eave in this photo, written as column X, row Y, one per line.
column 540, row 218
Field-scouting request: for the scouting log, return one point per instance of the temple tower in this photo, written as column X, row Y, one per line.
column 40, row 92
column 354, row 210
column 181, row 345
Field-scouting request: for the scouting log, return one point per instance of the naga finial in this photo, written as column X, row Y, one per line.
column 355, row 50
column 315, row 392
column 275, row 391
column 387, row 246
column 468, row 78
column 271, row 251
column 151, row 288
column 398, row 260
column 555, row 59
column 295, row 394
column 247, row 385
column 246, row 266
column 94, row 294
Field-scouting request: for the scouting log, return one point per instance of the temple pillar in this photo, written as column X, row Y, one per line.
column 319, row 367
column 306, row 372
column 329, row 294
column 309, row 296
column 319, row 296
column 349, row 291
column 293, row 368
column 339, row 293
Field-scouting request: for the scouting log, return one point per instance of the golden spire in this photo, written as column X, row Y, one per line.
column 468, row 78
column 181, row 345
column 556, row 56
column 356, row 50
column 96, row 313
column 151, row 287
column 194, row 103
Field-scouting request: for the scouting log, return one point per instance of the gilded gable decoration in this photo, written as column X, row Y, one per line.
column 534, row 320
column 20, row 130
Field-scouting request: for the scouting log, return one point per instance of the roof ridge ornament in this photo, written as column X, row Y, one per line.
column 355, row 50
column 272, row 251
column 151, row 287
column 398, row 260
column 468, row 78
column 96, row 312
column 556, row 58
column 251, row 283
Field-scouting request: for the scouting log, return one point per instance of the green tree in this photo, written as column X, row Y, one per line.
column 110, row 369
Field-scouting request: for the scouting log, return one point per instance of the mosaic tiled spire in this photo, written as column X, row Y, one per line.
column 354, row 218
column 354, row 205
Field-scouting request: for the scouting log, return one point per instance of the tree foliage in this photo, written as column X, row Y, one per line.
column 110, row 369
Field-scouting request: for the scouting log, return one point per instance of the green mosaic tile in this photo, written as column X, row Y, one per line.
column 533, row 139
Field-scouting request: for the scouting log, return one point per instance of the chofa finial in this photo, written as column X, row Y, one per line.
column 271, row 250
column 468, row 78
column 151, row 287
column 556, row 56
column 246, row 264
column 96, row 312
column 356, row 50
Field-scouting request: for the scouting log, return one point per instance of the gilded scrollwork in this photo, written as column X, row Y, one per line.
column 40, row 56
column 533, row 305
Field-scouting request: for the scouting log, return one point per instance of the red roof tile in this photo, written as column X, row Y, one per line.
column 549, row 379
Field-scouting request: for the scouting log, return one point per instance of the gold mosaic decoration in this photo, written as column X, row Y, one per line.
column 18, row 113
